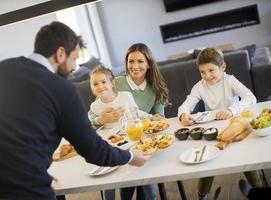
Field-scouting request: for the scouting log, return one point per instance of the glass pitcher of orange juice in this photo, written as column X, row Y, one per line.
column 131, row 124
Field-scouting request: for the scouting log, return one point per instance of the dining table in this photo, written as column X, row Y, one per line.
column 165, row 165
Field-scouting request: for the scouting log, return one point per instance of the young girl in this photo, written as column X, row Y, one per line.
column 219, row 91
column 144, row 80
column 110, row 105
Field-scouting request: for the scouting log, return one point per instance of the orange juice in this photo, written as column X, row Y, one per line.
column 134, row 131
column 246, row 113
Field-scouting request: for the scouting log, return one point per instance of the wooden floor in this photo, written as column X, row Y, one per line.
column 228, row 184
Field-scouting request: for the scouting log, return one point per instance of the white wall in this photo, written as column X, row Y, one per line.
column 18, row 39
column 127, row 22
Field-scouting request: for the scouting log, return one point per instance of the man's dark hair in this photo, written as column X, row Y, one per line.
column 55, row 35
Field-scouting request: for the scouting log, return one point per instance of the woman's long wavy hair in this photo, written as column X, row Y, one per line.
column 153, row 76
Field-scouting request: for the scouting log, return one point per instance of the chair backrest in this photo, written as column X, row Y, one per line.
column 85, row 93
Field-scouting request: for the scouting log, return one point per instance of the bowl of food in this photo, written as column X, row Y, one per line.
column 262, row 124
column 182, row 133
column 263, row 131
column 210, row 133
column 196, row 133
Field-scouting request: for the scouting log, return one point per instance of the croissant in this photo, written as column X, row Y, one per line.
column 65, row 149
column 237, row 130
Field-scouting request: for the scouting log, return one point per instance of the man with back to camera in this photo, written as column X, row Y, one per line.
column 37, row 108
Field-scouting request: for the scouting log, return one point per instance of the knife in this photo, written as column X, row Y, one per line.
column 203, row 150
column 98, row 170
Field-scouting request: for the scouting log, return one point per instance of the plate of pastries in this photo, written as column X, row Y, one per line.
column 150, row 127
column 150, row 144
column 64, row 152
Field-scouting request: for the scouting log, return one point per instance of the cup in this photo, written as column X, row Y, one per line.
column 131, row 124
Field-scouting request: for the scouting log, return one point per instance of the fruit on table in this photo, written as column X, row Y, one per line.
column 263, row 120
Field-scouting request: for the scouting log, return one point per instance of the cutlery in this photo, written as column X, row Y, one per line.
column 98, row 170
column 201, row 116
column 197, row 153
column 202, row 152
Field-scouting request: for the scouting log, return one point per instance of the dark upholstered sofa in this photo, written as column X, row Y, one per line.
column 181, row 75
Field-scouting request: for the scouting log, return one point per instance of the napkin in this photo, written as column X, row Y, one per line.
column 210, row 115
column 192, row 155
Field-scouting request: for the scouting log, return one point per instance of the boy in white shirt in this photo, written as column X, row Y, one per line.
column 219, row 91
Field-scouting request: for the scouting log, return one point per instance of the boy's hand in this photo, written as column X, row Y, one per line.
column 157, row 117
column 186, row 119
column 111, row 115
column 223, row 114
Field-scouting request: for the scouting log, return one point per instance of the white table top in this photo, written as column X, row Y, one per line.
column 250, row 154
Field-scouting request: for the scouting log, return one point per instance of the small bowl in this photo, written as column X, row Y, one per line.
column 196, row 133
column 210, row 133
column 182, row 133
column 262, row 132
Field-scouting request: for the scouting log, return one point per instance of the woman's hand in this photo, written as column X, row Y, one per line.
column 157, row 117
column 223, row 114
column 111, row 115
column 186, row 119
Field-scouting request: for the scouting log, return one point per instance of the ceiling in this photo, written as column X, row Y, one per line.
column 12, row 12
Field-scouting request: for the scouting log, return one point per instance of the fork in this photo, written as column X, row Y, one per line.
column 197, row 153
column 201, row 116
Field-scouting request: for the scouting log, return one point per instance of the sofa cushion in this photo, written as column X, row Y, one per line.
column 250, row 48
column 180, row 78
column 85, row 93
column 261, row 78
column 238, row 64
column 185, row 58
column 261, row 57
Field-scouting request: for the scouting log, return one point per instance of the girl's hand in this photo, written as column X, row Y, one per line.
column 157, row 117
column 186, row 119
column 111, row 115
column 223, row 114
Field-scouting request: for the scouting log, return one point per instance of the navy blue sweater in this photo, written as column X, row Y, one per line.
column 37, row 109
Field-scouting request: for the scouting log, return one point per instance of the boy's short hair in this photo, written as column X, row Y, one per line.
column 210, row 55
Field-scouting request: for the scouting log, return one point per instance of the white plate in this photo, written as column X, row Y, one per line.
column 209, row 117
column 189, row 155
column 97, row 172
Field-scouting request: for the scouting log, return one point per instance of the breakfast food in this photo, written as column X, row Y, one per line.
column 115, row 138
column 150, row 144
column 66, row 151
column 237, row 130
column 156, row 126
column 182, row 133
column 196, row 133
column 210, row 133
column 263, row 120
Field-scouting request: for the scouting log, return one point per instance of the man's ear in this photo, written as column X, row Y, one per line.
column 223, row 66
column 60, row 55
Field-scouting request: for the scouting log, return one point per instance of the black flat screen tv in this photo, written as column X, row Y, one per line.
column 172, row 5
